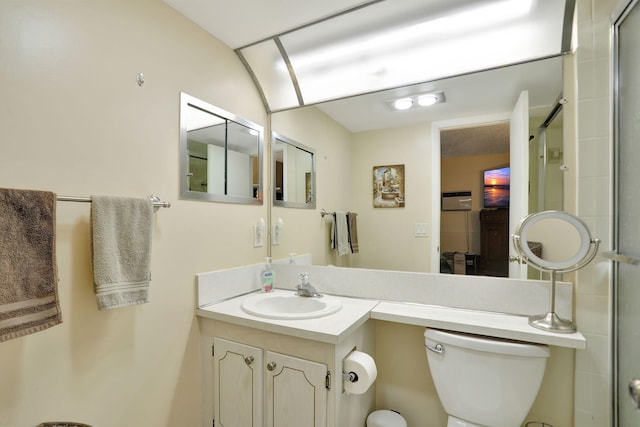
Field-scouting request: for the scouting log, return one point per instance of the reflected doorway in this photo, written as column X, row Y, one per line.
column 467, row 154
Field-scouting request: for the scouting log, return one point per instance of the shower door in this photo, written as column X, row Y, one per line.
column 627, row 215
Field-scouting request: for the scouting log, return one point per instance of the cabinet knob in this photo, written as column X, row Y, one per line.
column 271, row 366
column 634, row 392
column 248, row 360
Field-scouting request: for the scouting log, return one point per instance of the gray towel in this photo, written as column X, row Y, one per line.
column 331, row 219
column 28, row 273
column 352, row 224
column 122, row 229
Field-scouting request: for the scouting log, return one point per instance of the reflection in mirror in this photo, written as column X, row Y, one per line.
column 376, row 134
column 551, row 160
column 293, row 173
column 220, row 154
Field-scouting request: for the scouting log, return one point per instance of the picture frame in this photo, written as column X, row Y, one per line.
column 388, row 186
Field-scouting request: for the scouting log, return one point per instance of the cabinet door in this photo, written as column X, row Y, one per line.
column 295, row 392
column 237, row 382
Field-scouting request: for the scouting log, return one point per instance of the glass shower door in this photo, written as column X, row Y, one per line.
column 627, row 214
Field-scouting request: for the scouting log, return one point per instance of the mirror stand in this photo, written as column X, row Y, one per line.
column 550, row 321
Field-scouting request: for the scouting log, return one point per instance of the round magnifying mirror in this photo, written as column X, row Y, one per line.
column 565, row 240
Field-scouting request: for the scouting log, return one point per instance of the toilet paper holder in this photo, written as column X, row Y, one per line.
column 358, row 372
column 352, row 377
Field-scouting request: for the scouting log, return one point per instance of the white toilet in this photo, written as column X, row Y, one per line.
column 484, row 381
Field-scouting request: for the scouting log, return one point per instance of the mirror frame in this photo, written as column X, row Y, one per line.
column 300, row 205
column 187, row 101
column 520, row 242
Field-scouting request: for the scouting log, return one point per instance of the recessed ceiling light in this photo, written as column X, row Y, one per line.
column 426, row 100
column 419, row 100
column 403, row 104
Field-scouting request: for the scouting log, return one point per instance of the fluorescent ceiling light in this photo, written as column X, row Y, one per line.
column 484, row 16
column 386, row 45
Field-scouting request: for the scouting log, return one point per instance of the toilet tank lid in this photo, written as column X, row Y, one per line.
column 486, row 344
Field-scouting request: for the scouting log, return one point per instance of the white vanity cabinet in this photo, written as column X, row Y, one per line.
column 257, row 378
column 248, row 380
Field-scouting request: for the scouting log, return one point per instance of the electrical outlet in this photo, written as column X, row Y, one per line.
column 258, row 236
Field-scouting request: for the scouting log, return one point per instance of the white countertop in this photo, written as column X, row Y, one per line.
column 334, row 328
column 331, row 329
column 474, row 322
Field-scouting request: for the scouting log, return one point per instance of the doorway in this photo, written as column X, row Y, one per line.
column 467, row 154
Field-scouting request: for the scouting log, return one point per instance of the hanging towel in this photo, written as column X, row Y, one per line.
column 28, row 272
column 331, row 219
column 342, row 234
column 353, row 231
column 121, row 244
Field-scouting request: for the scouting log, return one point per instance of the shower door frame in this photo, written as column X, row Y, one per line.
column 617, row 18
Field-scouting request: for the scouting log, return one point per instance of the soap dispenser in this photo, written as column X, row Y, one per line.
column 267, row 276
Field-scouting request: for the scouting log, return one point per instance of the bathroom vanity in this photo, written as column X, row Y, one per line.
column 287, row 371
column 272, row 369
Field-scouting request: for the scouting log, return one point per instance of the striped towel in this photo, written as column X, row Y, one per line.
column 28, row 273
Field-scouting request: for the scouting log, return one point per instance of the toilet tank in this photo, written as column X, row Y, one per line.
column 484, row 380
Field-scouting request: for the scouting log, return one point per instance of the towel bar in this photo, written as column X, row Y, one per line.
column 157, row 203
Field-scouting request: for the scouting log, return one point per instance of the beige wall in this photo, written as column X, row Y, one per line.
column 465, row 174
column 74, row 121
column 304, row 231
column 386, row 235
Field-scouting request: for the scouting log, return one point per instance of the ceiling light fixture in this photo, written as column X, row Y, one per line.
column 403, row 103
column 426, row 100
column 472, row 18
column 419, row 100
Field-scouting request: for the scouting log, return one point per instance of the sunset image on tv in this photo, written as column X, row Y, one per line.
column 496, row 187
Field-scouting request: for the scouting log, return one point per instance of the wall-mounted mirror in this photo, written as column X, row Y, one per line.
column 220, row 154
column 374, row 135
column 294, row 183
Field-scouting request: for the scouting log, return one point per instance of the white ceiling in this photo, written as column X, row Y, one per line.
column 238, row 23
column 241, row 22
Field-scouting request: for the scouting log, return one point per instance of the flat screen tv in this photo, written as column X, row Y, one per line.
column 496, row 187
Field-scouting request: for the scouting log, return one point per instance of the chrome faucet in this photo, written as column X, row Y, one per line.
column 304, row 288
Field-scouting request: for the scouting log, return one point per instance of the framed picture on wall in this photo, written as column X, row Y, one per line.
column 388, row 186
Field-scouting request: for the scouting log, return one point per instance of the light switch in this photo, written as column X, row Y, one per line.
column 421, row 229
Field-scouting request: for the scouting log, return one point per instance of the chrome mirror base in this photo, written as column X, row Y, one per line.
column 551, row 322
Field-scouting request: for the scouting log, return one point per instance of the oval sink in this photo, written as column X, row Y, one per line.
column 280, row 305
